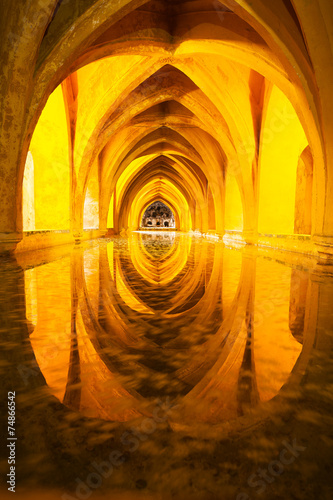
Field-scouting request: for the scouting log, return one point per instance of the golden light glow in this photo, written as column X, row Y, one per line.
column 223, row 111
column 181, row 286
column 50, row 151
column 124, row 171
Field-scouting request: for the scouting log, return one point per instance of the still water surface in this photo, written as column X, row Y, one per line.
column 195, row 364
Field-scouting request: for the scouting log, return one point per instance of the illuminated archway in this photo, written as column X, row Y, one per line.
column 118, row 92
column 158, row 215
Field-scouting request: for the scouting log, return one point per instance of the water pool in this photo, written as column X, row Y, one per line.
column 165, row 365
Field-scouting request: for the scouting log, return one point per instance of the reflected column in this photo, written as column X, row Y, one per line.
column 22, row 370
column 247, row 391
column 320, row 306
column 72, row 397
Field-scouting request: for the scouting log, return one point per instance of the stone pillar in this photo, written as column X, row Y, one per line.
column 22, row 27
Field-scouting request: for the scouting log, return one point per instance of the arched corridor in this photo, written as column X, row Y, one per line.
column 166, row 243
column 207, row 105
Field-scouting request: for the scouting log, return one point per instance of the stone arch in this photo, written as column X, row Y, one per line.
column 61, row 40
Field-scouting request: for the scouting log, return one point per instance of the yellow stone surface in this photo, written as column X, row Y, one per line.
column 214, row 114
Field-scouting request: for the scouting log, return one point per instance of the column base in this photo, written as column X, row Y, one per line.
column 9, row 242
column 211, row 233
column 250, row 237
column 234, row 238
column 324, row 246
column 88, row 234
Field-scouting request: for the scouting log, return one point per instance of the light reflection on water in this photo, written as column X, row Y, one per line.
column 223, row 337
column 161, row 316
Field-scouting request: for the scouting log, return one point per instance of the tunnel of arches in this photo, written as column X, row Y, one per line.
column 217, row 117
column 207, row 106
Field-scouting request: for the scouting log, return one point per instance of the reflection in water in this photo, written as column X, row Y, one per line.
column 118, row 325
column 134, row 322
